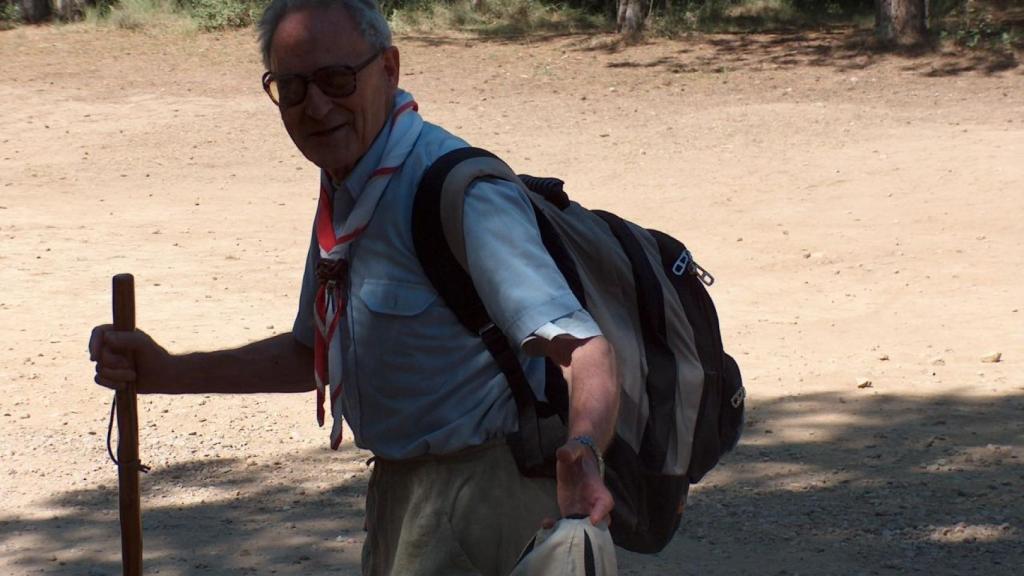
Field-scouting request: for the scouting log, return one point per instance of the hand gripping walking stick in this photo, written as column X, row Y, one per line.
column 128, row 465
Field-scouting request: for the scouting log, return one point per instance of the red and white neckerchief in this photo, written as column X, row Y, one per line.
column 332, row 270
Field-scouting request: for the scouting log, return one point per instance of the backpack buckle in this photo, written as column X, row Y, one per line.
column 738, row 397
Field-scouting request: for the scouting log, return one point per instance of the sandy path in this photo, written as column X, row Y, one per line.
column 861, row 213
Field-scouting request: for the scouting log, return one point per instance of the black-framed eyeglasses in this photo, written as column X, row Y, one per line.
column 289, row 90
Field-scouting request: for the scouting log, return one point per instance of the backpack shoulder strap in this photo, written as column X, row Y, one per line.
column 437, row 234
column 437, row 229
column 455, row 173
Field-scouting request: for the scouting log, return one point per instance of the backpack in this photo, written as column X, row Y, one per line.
column 682, row 397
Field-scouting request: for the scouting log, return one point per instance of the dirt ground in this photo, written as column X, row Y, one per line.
column 861, row 213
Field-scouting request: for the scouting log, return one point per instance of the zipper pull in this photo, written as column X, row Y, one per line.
column 702, row 274
column 682, row 264
column 685, row 263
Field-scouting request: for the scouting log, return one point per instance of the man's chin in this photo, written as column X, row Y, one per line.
column 328, row 158
column 337, row 168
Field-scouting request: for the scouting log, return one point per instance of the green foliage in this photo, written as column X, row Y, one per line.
column 138, row 15
column 489, row 17
column 990, row 25
column 220, row 14
column 10, row 14
column 103, row 7
column 187, row 15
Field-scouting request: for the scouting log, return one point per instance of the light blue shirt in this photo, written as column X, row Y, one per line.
column 415, row 380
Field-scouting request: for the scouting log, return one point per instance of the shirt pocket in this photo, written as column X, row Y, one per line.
column 395, row 335
column 396, row 298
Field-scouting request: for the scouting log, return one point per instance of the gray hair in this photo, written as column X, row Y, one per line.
column 366, row 14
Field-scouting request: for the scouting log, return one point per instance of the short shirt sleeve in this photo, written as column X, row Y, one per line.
column 302, row 328
column 517, row 280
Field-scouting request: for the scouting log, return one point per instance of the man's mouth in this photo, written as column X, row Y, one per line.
column 327, row 131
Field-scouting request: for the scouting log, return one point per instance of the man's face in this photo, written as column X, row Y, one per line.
column 333, row 133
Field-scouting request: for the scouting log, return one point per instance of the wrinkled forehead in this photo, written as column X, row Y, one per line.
column 309, row 38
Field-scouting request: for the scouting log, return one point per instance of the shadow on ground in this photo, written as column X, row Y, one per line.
column 243, row 518
column 843, row 49
column 855, row 484
column 865, row 484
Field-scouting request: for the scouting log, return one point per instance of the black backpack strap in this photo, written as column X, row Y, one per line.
column 662, row 379
column 443, row 270
column 456, row 288
column 552, row 189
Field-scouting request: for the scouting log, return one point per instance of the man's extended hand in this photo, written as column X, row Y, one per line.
column 123, row 358
column 581, row 489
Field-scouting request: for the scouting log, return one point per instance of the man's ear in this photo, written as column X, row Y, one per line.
column 392, row 65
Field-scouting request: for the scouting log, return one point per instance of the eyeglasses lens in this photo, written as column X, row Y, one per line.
column 337, row 82
column 290, row 91
column 273, row 91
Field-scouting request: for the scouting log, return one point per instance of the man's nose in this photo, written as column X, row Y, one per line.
column 317, row 105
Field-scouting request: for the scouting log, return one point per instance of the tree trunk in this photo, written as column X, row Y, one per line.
column 631, row 17
column 33, row 11
column 901, row 22
column 68, row 10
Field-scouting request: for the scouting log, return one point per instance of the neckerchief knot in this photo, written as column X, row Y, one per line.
column 332, row 271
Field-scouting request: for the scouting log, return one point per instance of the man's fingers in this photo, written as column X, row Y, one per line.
column 581, row 488
column 122, row 340
column 96, row 341
column 111, row 359
column 104, row 338
column 602, row 510
column 117, row 386
column 114, row 352
column 116, row 374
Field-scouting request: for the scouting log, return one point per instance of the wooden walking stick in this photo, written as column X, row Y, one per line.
column 128, row 464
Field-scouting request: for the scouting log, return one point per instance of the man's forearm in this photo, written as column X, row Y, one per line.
column 594, row 391
column 277, row 364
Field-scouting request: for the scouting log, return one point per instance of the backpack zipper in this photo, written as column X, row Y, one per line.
column 685, row 263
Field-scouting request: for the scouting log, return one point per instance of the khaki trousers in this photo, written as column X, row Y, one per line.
column 453, row 515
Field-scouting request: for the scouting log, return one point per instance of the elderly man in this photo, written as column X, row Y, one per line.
column 374, row 339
